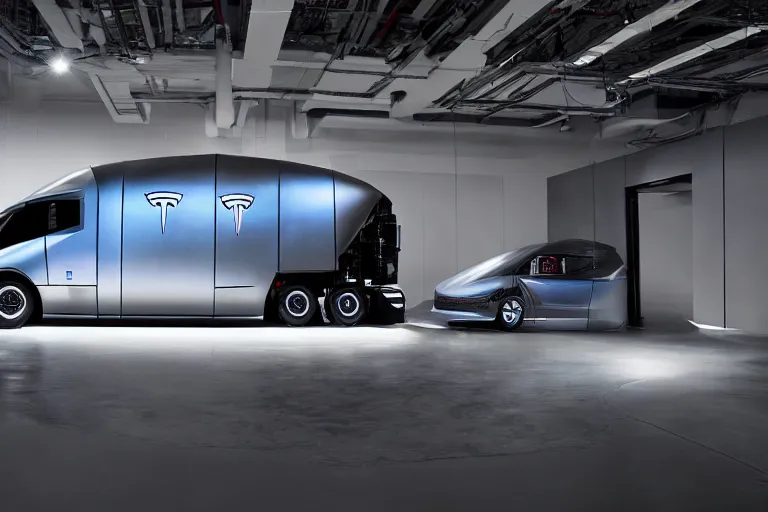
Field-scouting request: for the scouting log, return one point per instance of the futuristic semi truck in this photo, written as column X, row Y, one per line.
column 206, row 236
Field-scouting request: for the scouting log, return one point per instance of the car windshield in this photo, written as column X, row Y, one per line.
column 501, row 265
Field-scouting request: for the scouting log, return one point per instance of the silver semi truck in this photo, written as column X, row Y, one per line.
column 207, row 236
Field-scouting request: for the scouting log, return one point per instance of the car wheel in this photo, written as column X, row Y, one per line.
column 298, row 306
column 511, row 313
column 16, row 305
column 347, row 307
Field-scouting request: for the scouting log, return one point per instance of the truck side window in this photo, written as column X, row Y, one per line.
column 39, row 219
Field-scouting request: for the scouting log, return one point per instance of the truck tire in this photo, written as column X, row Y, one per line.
column 298, row 306
column 348, row 307
column 16, row 305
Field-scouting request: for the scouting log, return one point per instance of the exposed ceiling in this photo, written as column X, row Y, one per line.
column 650, row 71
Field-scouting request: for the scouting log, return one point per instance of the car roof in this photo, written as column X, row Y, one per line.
column 579, row 247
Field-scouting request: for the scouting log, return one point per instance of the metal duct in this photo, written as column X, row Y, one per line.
column 225, row 107
column 119, row 102
column 644, row 25
column 267, row 22
column 57, row 21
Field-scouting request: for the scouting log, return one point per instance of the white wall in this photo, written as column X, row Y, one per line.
column 461, row 196
column 666, row 258
column 729, row 238
column 702, row 157
column 746, row 234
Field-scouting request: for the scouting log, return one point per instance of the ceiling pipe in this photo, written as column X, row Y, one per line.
column 225, row 107
column 59, row 24
column 179, row 9
column 146, row 24
column 267, row 22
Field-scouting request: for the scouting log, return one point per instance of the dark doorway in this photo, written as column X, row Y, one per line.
column 671, row 185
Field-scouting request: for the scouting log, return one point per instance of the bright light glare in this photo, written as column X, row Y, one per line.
column 647, row 368
column 706, row 327
column 60, row 65
column 196, row 340
column 426, row 325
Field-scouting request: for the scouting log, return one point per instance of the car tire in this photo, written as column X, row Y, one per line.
column 16, row 305
column 297, row 306
column 348, row 307
column 511, row 313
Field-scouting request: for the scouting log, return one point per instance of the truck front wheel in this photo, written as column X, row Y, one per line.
column 298, row 305
column 16, row 305
column 347, row 306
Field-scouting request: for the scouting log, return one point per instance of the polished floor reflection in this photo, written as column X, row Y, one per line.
column 406, row 418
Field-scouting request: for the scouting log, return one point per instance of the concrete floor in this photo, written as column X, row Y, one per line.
column 369, row 419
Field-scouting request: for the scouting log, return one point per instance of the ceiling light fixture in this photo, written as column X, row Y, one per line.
column 59, row 65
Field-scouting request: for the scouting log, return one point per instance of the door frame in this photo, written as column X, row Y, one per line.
column 634, row 310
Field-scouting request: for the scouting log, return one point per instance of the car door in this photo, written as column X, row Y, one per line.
column 560, row 296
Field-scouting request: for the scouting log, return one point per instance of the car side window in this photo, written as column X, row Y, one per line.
column 564, row 266
column 578, row 266
column 39, row 219
column 547, row 266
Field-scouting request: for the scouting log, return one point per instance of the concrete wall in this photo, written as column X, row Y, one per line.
column 461, row 196
column 746, row 234
column 666, row 250
column 729, row 240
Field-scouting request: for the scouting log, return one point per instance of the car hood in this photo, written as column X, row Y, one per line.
column 458, row 286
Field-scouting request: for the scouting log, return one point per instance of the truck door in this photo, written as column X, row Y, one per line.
column 246, row 234
column 168, row 237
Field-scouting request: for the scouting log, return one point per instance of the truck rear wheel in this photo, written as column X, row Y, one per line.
column 298, row 305
column 16, row 305
column 347, row 306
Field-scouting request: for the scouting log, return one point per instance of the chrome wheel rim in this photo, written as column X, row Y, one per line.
column 348, row 304
column 297, row 303
column 12, row 303
column 511, row 312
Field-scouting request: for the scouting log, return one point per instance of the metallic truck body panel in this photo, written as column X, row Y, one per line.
column 28, row 259
column 354, row 201
column 71, row 254
column 246, row 239
column 68, row 300
column 168, row 269
column 306, row 219
column 109, row 179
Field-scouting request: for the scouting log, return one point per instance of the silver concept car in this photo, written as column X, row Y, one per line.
column 202, row 236
column 570, row 285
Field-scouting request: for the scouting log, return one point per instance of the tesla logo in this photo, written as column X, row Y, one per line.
column 163, row 200
column 238, row 203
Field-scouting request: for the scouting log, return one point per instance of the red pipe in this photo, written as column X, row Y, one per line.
column 217, row 8
column 388, row 24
